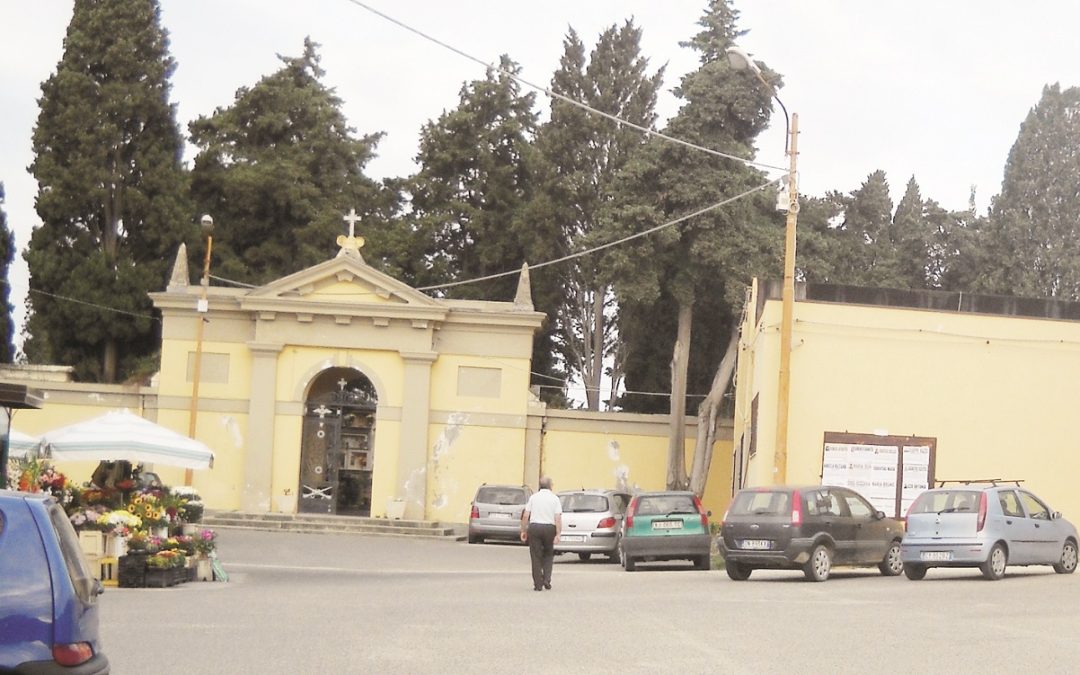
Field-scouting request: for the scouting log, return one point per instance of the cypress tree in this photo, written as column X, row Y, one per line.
column 111, row 192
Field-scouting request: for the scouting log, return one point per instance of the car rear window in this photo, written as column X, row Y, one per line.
column 659, row 505
column 946, row 501
column 502, row 496
column 579, row 503
column 77, row 569
column 762, row 503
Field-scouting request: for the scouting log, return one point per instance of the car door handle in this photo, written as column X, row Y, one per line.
column 1008, row 522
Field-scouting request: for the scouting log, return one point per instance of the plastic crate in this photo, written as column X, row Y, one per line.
column 93, row 561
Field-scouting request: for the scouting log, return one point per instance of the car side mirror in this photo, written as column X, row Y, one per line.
column 98, row 588
column 879, row 515
column 1055, row 515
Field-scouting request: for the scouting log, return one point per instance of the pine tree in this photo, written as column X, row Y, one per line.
column 1035, row 221
column 111, row 192
column 278, row 169
column 583, row 153
column 7, row 256
column 714, row 255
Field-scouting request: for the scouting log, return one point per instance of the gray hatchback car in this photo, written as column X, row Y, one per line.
column 496, row 512
column 591, row 522
column 987, row 526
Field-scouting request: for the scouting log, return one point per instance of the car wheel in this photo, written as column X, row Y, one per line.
column 1067, row 564
column 628, row 563
column 614, row 556
column 737, row 571
column 702, row 562
column 914, row 572
column 893, row 564
column 819, row 565
column 584, row 556
column 474, row 539
column 994, row 567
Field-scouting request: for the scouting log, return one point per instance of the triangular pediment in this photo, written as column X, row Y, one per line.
column 344, row 279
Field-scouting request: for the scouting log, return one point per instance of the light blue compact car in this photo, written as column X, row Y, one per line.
column 985, row 525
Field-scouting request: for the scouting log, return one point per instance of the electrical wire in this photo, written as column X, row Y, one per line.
column 561, row 97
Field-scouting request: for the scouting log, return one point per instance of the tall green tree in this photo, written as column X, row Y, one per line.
column 475, row 210
column 714, row 255
column 583, row 153
column 111, row 191
column 1034, row 223
column 278, row 169
column 864, row 244
column 7, row 256
column 907, row 242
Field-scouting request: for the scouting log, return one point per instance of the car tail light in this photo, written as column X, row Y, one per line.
column 72, row 654
column 982, row 513
column 606, row 522
column 630, row 513
column 475, row 513
column 701, row 510
column 796, row 508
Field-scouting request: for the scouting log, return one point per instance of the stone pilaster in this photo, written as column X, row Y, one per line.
column 259, row 450
column 412, row 470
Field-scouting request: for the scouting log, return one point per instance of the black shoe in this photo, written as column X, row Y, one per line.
column 537, row 588
column 547, row 586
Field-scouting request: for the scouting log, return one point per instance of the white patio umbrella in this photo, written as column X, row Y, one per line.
column 19, row 444
column 122, row 435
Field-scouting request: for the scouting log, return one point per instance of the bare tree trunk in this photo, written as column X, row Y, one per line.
column 676, row 474
column 709, row 412
column 593, row 393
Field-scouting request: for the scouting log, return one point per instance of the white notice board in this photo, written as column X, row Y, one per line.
column 890, row 471
column 868, row 469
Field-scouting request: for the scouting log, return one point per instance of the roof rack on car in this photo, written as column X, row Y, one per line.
column 972, row 481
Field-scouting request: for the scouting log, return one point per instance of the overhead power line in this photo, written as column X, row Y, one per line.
column 618, row 120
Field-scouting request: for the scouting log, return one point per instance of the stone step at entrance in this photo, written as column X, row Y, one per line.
column 309, row 522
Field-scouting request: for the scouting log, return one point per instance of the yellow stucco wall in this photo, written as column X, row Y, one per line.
column 998, row 392
column 464, row 456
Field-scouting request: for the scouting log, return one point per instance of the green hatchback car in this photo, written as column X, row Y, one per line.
column 665, row 526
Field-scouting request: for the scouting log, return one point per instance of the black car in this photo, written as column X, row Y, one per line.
column 810, row 529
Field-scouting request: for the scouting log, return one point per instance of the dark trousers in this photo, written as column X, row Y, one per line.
column 542, row 552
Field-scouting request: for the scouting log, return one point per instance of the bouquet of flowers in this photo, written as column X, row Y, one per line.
column 148, row 508
column 87, row 518
column 139, row 540
column 119, row 522
column 205, row 542
column 185, row 544
column 166, row 559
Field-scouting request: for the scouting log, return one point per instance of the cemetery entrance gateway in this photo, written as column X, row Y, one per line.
column 336, row 455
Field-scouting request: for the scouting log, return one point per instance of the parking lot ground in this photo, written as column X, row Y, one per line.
column 301, row 603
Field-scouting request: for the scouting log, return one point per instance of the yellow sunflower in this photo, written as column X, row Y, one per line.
column 131, row 508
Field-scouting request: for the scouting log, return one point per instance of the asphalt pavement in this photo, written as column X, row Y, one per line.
column 317, row 603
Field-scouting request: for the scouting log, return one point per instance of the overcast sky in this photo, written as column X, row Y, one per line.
column 921, row 87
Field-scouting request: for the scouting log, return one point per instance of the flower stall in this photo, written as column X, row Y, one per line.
column 142, row 533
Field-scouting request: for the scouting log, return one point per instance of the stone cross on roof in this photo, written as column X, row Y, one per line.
column 352, row 241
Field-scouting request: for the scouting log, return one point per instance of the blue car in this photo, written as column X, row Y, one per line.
column 48, row 597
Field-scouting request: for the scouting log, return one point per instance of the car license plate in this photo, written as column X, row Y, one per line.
column 756, row 544
column 935, row 555
column 667, row 525
column 572, row 538
column 501, row 515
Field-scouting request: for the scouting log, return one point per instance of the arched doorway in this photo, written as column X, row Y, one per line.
column 336, row 455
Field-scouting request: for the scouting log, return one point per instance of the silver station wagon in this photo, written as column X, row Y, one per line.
column 988, row 525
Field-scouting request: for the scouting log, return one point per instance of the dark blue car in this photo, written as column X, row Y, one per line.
column 48, row 597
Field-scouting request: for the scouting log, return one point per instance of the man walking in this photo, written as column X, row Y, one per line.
column 541, row 524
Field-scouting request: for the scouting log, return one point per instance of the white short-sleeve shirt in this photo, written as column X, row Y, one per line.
column 542, row 507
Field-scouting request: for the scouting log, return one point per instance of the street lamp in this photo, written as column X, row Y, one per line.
column 201, row 309
column 739, row 60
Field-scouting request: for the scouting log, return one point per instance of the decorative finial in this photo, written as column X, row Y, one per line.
column 352, row 241
column 523, row 297
column 179, row 277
